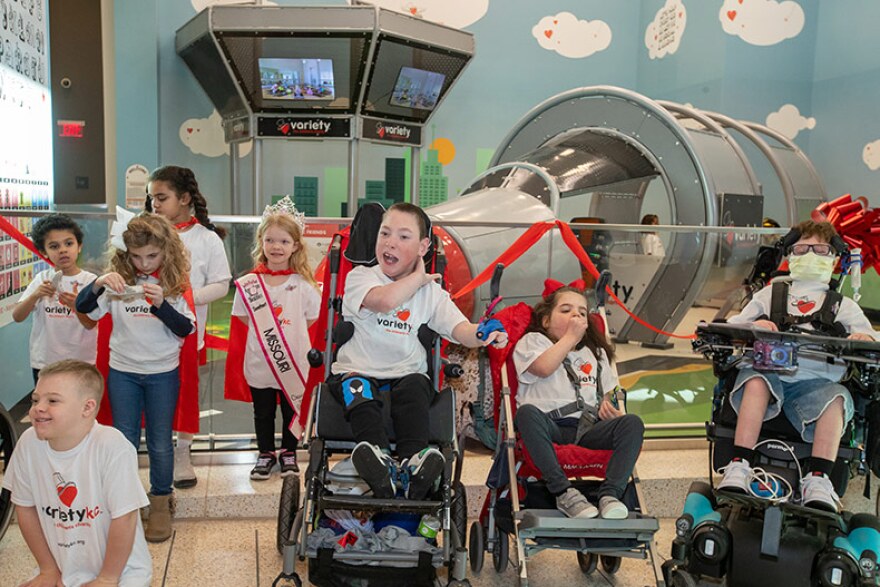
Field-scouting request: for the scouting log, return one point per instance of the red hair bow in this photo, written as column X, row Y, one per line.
column 551, row 285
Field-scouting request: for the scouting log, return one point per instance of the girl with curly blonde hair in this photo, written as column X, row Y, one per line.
column 145, row 291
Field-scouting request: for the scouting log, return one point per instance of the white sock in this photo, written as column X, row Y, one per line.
column 184, row 442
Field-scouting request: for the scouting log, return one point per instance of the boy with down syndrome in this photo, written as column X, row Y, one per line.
column 812, row 400
column 386, row 304
column 76, row 489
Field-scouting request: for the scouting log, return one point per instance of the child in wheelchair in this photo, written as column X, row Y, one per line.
column 387, row 303
column 567, row 395
column 811, row 398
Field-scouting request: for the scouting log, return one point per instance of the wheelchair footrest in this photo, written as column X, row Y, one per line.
column 373, row 504
column 554, row 524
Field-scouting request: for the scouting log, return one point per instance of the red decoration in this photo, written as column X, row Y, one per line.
column 857, row 223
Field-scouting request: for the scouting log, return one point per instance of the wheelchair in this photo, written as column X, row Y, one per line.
column 760, row 539
column 518, row 504
column 328, row 434
column 8, row 438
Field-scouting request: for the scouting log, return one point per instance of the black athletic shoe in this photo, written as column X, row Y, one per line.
column 377, row 469
column 263, row 469
column 288, row 463
column 424, row 469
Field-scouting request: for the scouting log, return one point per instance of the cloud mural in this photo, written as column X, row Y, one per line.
column 663, row 35
column 200, row 5
column 789, row 121
column 761, row 22
column 871, row 155
column 204, row 136
column 454, row 13
column 571, row 37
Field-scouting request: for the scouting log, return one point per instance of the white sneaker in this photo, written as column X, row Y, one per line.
column 184, row 474
column 817, row 491
column 737, row 476
column 611, row 508
column 573, row 504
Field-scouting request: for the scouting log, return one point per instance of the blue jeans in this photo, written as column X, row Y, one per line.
column 154, row 396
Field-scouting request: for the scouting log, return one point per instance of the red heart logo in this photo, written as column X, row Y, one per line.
column 277, row 310
column 805, row 306
column 548, row 33
column 731, row 14
column 587, row 368
column 285, row 128
column 413, row 10
column 189, row 130
column 381, row 132
column 67, row 493
column 555, row 22
column 740, row 1
column 403, row 315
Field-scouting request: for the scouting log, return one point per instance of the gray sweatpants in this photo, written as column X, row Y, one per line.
column 623, row 435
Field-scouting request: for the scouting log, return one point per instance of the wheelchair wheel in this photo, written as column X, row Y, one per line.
column 610, row 564
column 501, row 552
column 458, row 512
column 587, row 561
column 681, row 578
column 476, row 546
column 288, row 506
column 7, row 443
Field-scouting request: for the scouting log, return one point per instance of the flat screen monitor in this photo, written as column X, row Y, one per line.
column 417, row 88
column 296, row 79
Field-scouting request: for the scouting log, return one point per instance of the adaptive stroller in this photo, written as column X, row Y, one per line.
column 518, row 503
column 764, row 538
column 328, row 433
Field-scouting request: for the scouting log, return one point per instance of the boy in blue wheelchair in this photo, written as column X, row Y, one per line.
column 811, row 398
column 387, row 303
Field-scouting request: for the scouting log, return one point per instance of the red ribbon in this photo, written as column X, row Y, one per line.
column 551, row 285
column 261, row 269
column 856, row 223
column 191, row 222
column 24, row 241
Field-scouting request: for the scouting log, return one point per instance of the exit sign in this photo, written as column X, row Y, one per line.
column 71, row 128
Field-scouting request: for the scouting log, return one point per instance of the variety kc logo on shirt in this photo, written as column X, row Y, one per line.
column 66, row 490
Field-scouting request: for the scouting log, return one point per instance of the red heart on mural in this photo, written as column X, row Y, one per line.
column 403, row 315
column 731, row 14
column 587, row 368
column 805, row 306
column 548, row 33
column 189, row 130
column 67, row 493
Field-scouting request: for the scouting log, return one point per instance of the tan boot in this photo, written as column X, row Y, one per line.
column 158, row 527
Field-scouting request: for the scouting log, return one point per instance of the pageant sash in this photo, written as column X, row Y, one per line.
column 273, row 343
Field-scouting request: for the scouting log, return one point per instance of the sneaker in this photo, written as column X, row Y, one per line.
column 184, row 474
column 611, row 508
column 737, row 475
column 288, row 463
column 818, row 492
column 263, row 469
column 376, row 468
column 422, row 471
column 573, row 504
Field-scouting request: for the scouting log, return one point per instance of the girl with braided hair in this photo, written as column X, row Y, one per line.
column 173, row 192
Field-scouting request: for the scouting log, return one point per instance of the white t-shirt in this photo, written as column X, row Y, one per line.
column 141, row 343
column 386, row 346
column 76, row 494
column 652, row 245
column 208, row 265
column 57, row 333
column 555, row 391
column 805, row 298
column 295, row 302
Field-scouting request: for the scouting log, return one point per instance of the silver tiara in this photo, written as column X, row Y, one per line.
column 286, row 206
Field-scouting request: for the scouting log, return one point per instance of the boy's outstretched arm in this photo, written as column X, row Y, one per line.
column 466, row 333
column 120, row 540
column 29, row 524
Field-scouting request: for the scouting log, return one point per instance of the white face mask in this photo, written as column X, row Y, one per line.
column 811, row 267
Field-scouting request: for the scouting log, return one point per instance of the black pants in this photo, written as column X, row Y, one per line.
column 265, row 399
column 623, row 435
column 410, row 399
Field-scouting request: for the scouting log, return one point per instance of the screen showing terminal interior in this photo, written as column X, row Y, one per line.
column 296, row 79
column 417, row 88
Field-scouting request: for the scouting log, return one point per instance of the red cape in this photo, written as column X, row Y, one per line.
column 186, row 417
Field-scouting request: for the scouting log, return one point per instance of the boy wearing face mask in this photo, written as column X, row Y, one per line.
column 812, row 400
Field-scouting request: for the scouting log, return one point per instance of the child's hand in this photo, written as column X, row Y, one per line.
column 765, row 324
column 577, row 326
column 112, row 281
column 491, row 331
column 860, row 336
column 153, row 292
column 425, row 277
column 498, row 339
column 46, row 290
column 45, row 579
column 101, row 581
column 607, row 411
column 67, row 299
